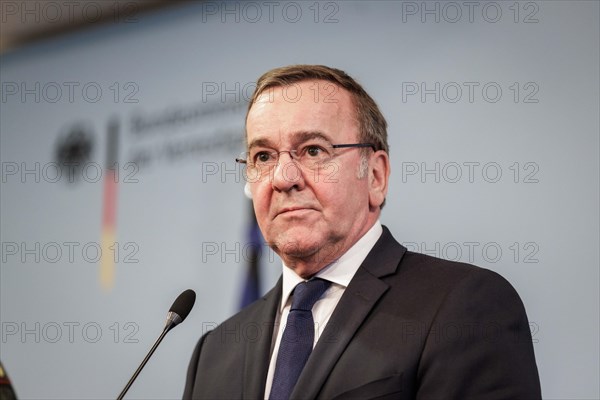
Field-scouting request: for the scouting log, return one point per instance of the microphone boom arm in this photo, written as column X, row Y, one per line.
column 178, row 312
column 137, row 371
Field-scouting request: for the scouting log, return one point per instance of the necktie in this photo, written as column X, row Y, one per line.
column 298, row 337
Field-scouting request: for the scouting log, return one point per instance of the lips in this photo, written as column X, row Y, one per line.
column 286, row 210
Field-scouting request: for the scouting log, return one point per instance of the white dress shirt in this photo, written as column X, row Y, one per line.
column 339, row 273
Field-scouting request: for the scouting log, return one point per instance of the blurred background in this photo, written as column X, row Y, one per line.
column 120, row 122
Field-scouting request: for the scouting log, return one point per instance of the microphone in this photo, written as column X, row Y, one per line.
column 180, row 309
column 177, row 313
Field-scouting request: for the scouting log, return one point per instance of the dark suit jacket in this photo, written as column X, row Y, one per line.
column 408, row 326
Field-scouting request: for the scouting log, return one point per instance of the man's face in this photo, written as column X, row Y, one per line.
column 309, row 216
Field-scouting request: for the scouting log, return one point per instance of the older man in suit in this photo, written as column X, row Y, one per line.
column 354, row 315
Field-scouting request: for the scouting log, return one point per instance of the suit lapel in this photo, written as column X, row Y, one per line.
column 360, row 297
column 258, row 339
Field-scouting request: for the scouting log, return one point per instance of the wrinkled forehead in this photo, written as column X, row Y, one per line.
column 314, row 106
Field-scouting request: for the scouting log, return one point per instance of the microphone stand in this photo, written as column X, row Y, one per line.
column 172, row 320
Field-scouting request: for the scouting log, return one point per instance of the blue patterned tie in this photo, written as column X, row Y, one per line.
column 298, row 337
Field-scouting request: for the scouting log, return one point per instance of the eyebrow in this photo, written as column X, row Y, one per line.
column 297, row 138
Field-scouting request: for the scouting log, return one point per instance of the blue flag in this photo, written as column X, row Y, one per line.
column 251, row 285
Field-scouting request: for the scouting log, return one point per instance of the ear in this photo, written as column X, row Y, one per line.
column 379, row 173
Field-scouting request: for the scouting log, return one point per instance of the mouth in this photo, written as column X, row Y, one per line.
column 292, row 211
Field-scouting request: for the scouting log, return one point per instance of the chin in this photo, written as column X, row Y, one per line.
column 298, row 242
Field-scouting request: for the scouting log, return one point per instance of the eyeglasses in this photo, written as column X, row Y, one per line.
column 310, row 155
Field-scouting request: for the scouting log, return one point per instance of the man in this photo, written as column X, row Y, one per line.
column 387, row 323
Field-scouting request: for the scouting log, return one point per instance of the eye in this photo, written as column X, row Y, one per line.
column 262, row 157
column 313, row 151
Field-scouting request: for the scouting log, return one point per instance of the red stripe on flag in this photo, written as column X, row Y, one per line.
column 109, row 214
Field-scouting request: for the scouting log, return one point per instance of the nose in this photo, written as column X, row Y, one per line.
column 287, row 175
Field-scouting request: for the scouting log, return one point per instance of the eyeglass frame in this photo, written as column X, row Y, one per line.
column 333, row 146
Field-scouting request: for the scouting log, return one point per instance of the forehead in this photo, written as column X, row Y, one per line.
column 281, row 112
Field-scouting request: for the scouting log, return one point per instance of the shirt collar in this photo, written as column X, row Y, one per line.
column 342, row 270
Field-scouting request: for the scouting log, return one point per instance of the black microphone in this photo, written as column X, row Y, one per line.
column 177, row 313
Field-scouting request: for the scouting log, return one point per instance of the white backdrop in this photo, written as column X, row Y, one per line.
column 494, row 135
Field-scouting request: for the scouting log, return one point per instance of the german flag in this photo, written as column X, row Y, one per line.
column 109, row 208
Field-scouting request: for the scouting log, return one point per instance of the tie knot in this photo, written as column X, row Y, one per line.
column 307, row 293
